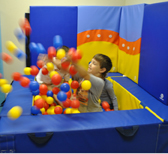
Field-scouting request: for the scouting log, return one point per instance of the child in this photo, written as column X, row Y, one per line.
column 95, row 74
column 108, row 94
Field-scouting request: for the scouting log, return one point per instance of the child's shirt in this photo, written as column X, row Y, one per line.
column 108, row 94
column 89, row 98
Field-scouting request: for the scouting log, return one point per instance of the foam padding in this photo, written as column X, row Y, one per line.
column 19, row 96
column 153, row 61
column 130, row 39
column 48, row 21
column 146, row 99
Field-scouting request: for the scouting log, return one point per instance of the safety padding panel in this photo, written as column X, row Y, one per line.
column 130, row 40
column 48, row 21
column 98, row 32
column 85, row 132
column 153, row 61
column 148, row 101
column 126, row 101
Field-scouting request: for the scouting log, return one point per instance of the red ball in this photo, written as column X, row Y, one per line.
column 45, row 113
column 58, row 110
column 68, row 94
column 71, row 51
column 44, row 71
column 39, row 103
column 107, row 109
column 27, row 30
column 46, row 105
column 43, row 89
column 16, row 76
column 75, row 57
column 72, row 70
column 56, row 79
column 55, row 90
column 24, row 82
column 67, row 103
column 51, row 52
column 40, row 63
column 6, row 58
column 34, row 70
column 105, row 105
column 75, row 104
column 53, row 104
column 74, row 84
column 65, row 65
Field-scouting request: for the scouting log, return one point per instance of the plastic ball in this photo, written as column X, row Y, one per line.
column 57, row 41
column 39, row 103
column 6, row 58
column 74, row 111
column 51, row 52
column 20, row 35
column 34, row 110
column 44, row 71
column 72, row 70
column 61, row 96
column 33, row 47
column 107, row 109
column 50, row 93
column 99, row 101
column 74, row 84
column 27, row 70
column 71, row 51
column 65, row 87
column 37, row 97
column 43, row 89
column 46, row 105
column 65, row 64
column 11, row 46
column 86, row 85
column 40, row 63
column 75, row 57
column 53, row 73
column 56, row 79
column 40, row 49
column 61, row 53
column 53, row 104
column 50, row 100
column 68, row 111
column 24, row 82
column 58, row 110
column 55, row 90
column 6, row 88
column 75, row 103
column 3, row 81
column 50, row 66
column 16, row 76
column 34, row 85
column 42, row 110
column 105, row 105
column 80, row 53
column 34, row 70
column 14, row 112
column 67, row 103
column 20, row 54
column 68, row 94
column 45, row 113
column 44, row 97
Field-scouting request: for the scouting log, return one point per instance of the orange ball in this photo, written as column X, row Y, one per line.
column 74, row 84
column 58, row 110
column 24, row 82
column 43, row 89
column 72, row 70
column 44, row 71
column 105, row 105
column 34, row 70
column 16, row 76
column 6, row 58
column 56, row 79
column 67, row 103
column 68, row 94
column 51, row 52
column 39, row 103
column 75, row 104
column 40, row 63
column 55, row 90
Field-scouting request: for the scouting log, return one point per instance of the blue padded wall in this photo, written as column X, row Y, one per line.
column 48, row 21
column 153, row 59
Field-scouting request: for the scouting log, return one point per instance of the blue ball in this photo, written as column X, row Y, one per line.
column 20, row 54
column 35, row 110
column 61, row 96
column 33, row 47
column 50, row 93
column 40, row 49
column 65, row 87
column 34, row 85
column 57, row 41
column 36, row 92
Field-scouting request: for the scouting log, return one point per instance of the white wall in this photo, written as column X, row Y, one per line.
column 133, row 2
column 11, row 11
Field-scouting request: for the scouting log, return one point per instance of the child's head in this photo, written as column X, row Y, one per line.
column 100, row 65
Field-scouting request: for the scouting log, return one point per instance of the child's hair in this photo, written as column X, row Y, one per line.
column 105, row 62
column 64, row 47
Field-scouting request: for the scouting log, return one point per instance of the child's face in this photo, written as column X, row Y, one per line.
column 94, row 67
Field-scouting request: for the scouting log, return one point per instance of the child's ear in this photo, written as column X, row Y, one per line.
column 102, row 70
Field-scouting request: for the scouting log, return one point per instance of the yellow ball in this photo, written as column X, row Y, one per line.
column 49, row 111
column 44, row 97
column 86, row 85
column 3, row 81
column 11, row 46
column 42, row 110
column 27, row 70
column 15, row 112
column 99, row 101
column 50, row 66
column 61, row 53
column 52, row 73
column 37, row 97
column 75, row 110
column 68, row 110
column 6, row 88
column 52, row 111
column 49, row 100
